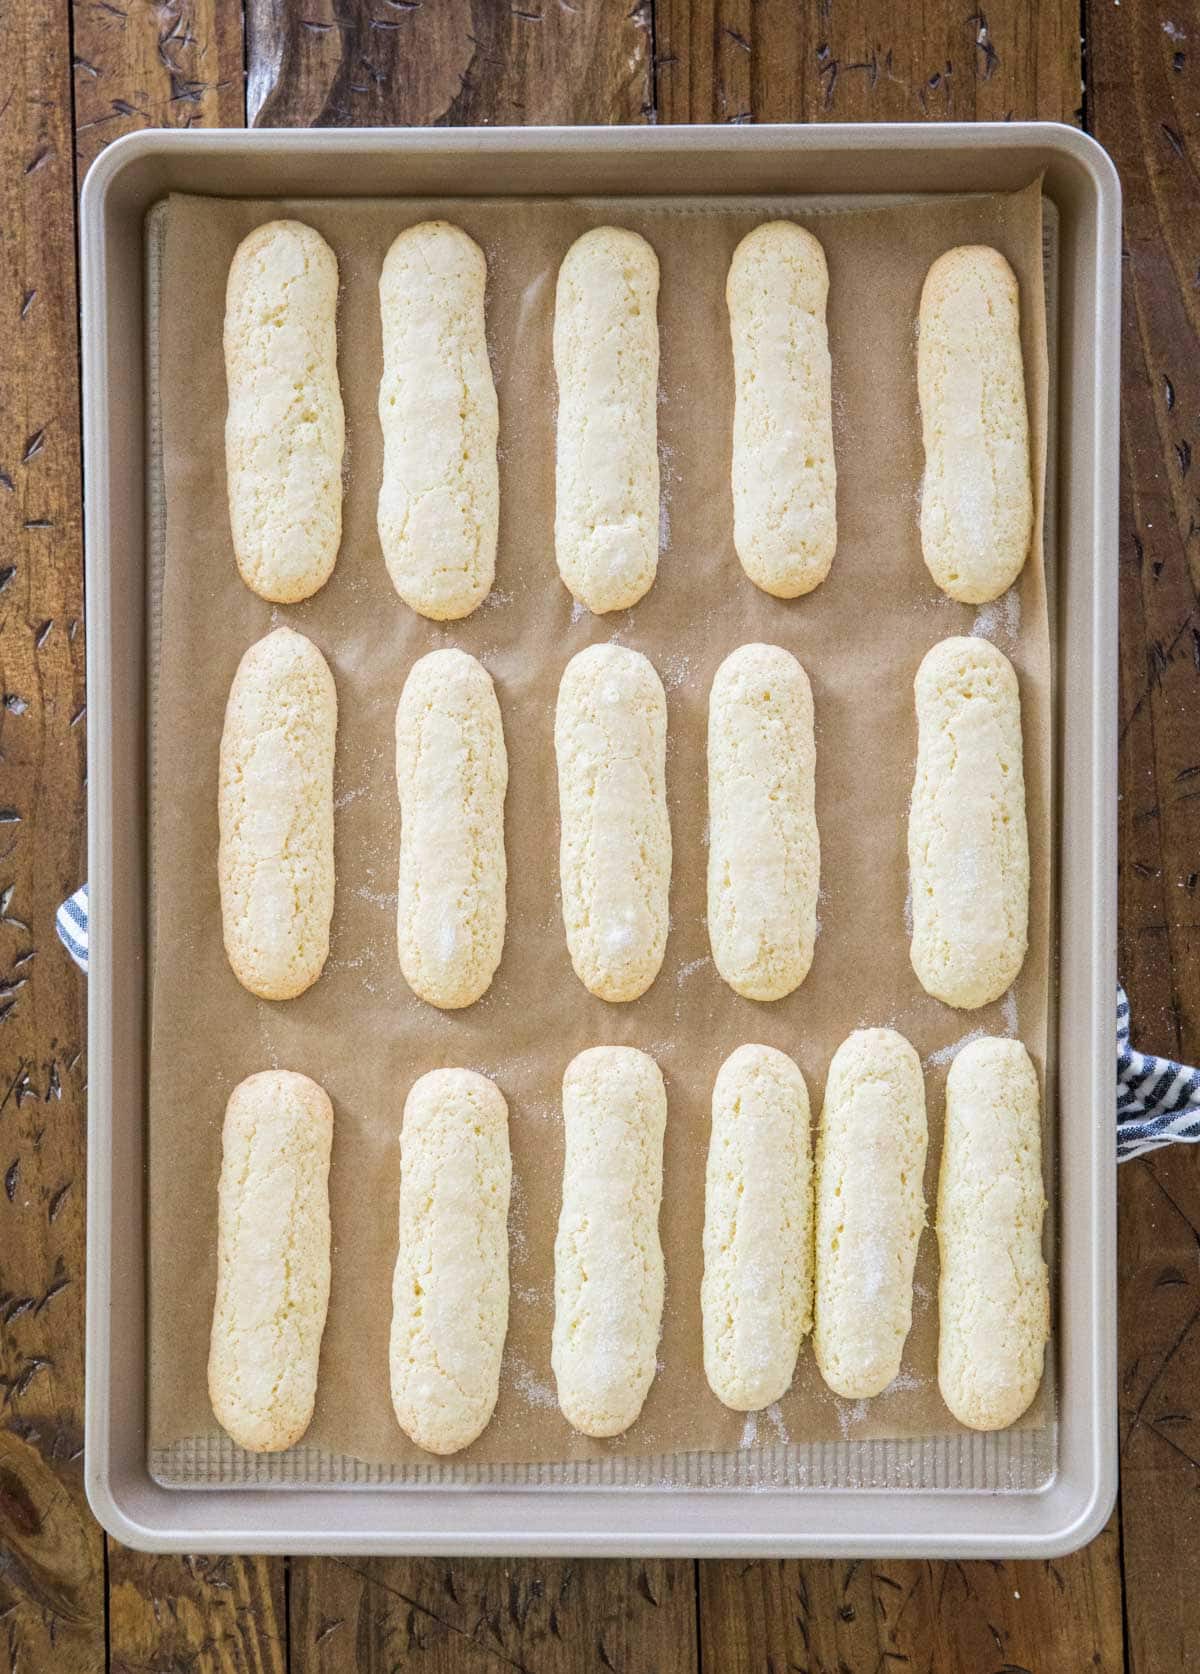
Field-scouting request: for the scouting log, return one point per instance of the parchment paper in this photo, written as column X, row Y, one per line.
column 359, row 1031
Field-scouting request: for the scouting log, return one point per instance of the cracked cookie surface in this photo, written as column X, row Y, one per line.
column 756, row 1294
column 450, row 1283
column 439, row 499
column 275, row 812
column 993, row 1291
column 764, row 851
column 272, row 1259
column 606, row 520
column 977, row 491
column 968, row 843
column 782, row 469
column 451, row 776
column 608, row 1261
column 285, row 429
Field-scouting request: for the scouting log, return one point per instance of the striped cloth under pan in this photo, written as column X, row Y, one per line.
column 1158, row 1100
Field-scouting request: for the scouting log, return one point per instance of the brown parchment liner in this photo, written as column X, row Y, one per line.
column 359, row 1031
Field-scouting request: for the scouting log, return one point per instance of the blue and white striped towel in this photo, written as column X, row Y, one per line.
column 1158, row 1100
column 72, row 925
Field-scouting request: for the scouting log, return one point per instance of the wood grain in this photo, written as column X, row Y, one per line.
column 1144, row 73
column 205, row 1615
column 362, row 63
column 446, row 1617
column 812, row 61
column 51, row 1553
column 877, row 1615
column 145, row 64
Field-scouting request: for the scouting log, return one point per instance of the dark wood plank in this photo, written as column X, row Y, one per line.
column 137, row 65
column 1142, row 85
column 810, row 61
column 141, row 64
column 1159, row 1307
column 207, row 1615
column 875, row 1615
column 51, row 1553
column 361, row 63
column 452, row 1617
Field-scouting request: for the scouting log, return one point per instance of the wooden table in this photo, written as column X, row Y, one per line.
column 71, row 80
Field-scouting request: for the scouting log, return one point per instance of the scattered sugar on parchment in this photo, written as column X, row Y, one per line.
column 667, row 475
column 578, row 611
column 903, row 1383
column 775, row 1418
column 534, row 1391
column 750, row 1431
column 935, row 601
column 377, row 897
column 837, row 402
column 1001, row 620
column 822, row 901
column 689, row 970
column 347, row 797
column 518, row 1217
column 908, row 912
column 849, row 1416
column 264, row 1035
column 675, row 670
column 496, row 598
column 1008, row 1009
column 947, row 1054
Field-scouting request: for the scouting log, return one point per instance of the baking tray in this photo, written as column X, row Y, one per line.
column 961, row 1495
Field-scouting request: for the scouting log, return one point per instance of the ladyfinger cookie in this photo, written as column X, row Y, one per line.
column 439, row 502
column 608, row 1262
column 764, row 854
column 450, row 1287
column 994, row 1291
column 606, row 363
column 285, row 430
column 783, row 472
column 610, row 738
column 968, row 848
column 451, row 775
column 275, row 809
column 756, row 1294
column 977, row 495
column 272, row 1259
column 870, row 1210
